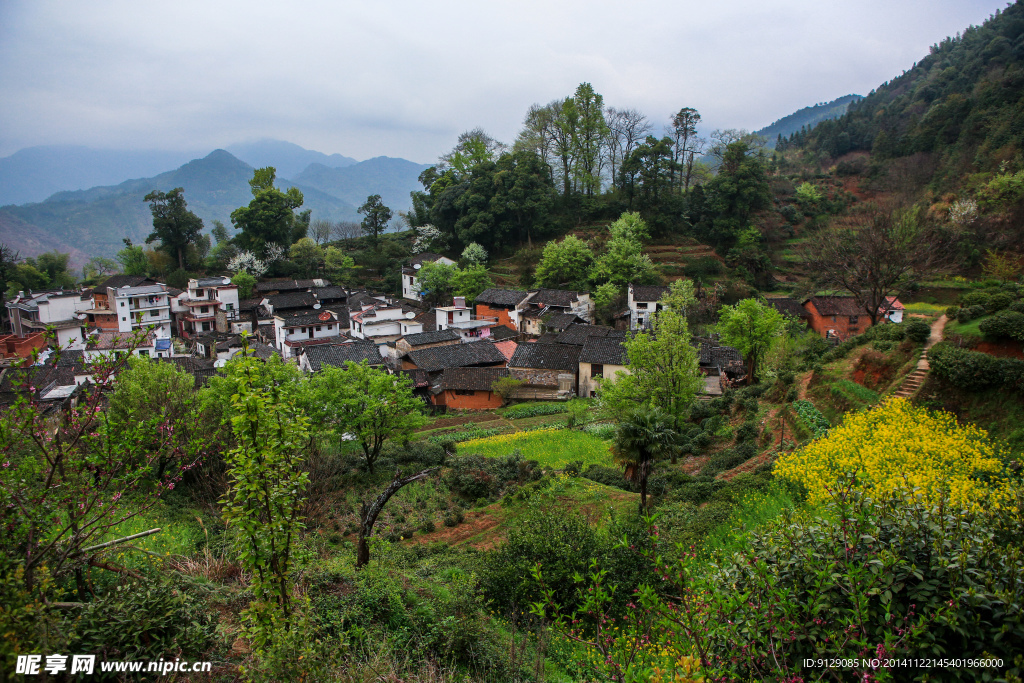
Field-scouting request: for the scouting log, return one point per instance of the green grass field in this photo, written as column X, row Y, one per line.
column 551, row 448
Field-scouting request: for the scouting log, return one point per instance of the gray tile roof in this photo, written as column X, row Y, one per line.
column 563, row 298
column 116, row 281
column 788, row 306
column 578, row 333
column 560, row 321
column 285, row 285
column 538, row 356
column 837, row 305
column 456, row 356
column 641, row 293
column 604, row 350
column 291, row 300
column 338, row 355
column 501, row 297
column 470, row 379
column 502, row 333
column 432, row 337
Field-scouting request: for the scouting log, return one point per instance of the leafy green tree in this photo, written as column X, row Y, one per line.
column 437, row 282
column 647, row 173
column 54, row 267
column 663, row 372
column 623, row 261
column 565, row 264
column 732, row 197
column 644, row 436
column 265, row 497
column 368, row 403
column 752, row 327
column 469, row 282
column 270, row 217
column 524, row 196
column 337, row 264
column 684, row 128
column 473, row 147
column 376, row 218
column 246, row 284
column 307, row 255
column 174, row 226
column 99, row 267
column 220, row 233
column 584, row 114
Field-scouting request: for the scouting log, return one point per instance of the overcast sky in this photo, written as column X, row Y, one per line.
column 403, row 78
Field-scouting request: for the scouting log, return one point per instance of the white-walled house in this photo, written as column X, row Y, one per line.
column 891, row 309
column 643, row 303
column 64, row 312
column 141, row 307
column 459, row 317
column 212, row 304
column 410, row 283
column 383, row 323
column 317, row 326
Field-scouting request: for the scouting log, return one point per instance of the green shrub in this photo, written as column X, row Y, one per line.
column 918, row 331
column 534, row 410
column 969, row 313
column 702, row 267
column 1004, row 324
column 476, row 477
column 1017, row 306
column 429, row 526
column 747, row 431
column 609, row 476
column 974, row 371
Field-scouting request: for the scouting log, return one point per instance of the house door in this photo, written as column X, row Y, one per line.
column 311, row 333
column 451, row 317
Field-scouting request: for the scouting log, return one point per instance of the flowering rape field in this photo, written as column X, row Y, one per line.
column 553, row 448
column 899, row 445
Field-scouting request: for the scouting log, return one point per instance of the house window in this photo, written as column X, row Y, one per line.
column 204, row 309
column 854, row 319
column 199, row 293
column 231, row 307
column 122, row 304
column 330, row 327
column 123, row 318
column 596, row 370
column 206, row 327
column 154, row 314
column 642, row 306
column 143, row 352
column 318, row 328
column 464, row 392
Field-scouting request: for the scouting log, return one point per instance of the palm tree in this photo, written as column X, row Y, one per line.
column 640, row 439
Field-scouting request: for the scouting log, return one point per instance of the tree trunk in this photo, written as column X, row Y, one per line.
column 368, row 514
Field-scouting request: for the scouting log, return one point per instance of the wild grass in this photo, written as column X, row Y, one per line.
column 754, row 509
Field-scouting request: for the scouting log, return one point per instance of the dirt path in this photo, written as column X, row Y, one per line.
column 913, row 381
column 935, row 337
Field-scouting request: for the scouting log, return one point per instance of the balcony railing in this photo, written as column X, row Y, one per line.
column 146, row 303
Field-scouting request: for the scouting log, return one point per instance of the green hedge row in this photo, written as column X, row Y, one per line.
column 975, row 371
column 534, row 409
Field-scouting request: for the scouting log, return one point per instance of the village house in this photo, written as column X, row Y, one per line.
column 382, row 323
column 438, row 358
column 891, row 310
column 31, row 315
column 789, row 306
column 104, row 343
column 100, row 314
column 501, row 304
column 642, row 303
column 540, row 305
column 212, row 304
column 579, row 333
column 837, row 317
column 460, row 317
column 314, row 358
column 410, row 283
column 427, row 340
column 305, row 328
column 601, row 358
column 467, row 388
column 548, row 371
column 145, row 306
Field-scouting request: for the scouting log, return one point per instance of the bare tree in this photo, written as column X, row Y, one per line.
column 368, row 514
column 346, row 230
column 882, row 252
column 320, row 231
column 684, row 133
column 721, row 139
column 627, row 129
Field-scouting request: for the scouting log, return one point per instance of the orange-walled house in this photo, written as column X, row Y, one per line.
column 837, row 316
column 500, row 304
column 467, row 388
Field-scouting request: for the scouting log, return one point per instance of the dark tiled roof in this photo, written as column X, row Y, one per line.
column 188, row 363
column 641, row 293
column 547, row 338
column 604, row 350
column 837, row 305
column 261, row 351
column 501, row 297
column 202, row 377
column 721, row 355
column 546, row 357
column 291, row 300
column 330, row 293
column 249, row 304
column 338, row 355
column 424, row 257
column 456, row 356
column 578, row 333
column 432, row 337
column 563, row 298
column 418, row 378
column 502, row 333
column 38, row 377
column 71, row 359
column 560, row 321
column 363, row 298
column 284, row 285
column 788, row 306
column 470, row 379
column 428, row 320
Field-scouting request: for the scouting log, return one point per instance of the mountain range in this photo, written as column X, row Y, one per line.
column 94, row 221
column 808, row 116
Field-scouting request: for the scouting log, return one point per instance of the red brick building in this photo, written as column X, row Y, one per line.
column 500, row 304
column 837, row 316
column 467, row 388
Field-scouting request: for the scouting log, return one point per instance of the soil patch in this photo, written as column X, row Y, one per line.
column 476, row 523
column 1003, row 349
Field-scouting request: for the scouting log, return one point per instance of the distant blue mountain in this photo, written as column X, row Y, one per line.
column 34, row 173
column 289, row 159
column 393, row 179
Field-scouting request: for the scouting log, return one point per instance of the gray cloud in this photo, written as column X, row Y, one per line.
column 403, row 78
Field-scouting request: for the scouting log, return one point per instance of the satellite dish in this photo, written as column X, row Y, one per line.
column 316, row 307
column 325, row 316
column 417, row 266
